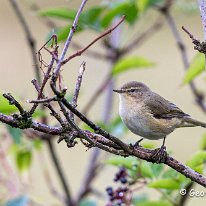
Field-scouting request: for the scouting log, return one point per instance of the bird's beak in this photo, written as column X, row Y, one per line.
column 118, row 90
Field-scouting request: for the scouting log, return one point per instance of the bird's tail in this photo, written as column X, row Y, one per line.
column 193, row 122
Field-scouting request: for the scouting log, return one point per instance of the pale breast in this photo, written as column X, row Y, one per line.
column 142, row 123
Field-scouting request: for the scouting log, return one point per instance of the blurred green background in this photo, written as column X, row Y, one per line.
column 165, row 78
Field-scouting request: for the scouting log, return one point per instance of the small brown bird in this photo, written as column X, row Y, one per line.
column 149, row 115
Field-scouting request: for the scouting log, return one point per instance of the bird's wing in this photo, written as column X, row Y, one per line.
column 162, row 108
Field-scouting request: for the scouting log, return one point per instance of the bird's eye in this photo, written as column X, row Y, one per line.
column 132, row 90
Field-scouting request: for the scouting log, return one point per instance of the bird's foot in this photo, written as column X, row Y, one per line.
column 159, row 155
column 136, row 144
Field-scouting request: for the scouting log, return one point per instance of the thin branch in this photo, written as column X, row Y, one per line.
column 45, row 100
column 78, row 84
column 77, row 87
column 59, row 171
column 93, row 54
column 35, row 125
column 40, row 90
column 68, row 41
column 79, row 53
column 29, row 37
column 14, row 102
column 198, row 97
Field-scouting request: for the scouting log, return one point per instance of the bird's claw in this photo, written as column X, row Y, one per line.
column 136, row 144
column 159, row 155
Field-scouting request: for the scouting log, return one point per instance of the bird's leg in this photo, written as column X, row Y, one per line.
column 160, row 155
column 136, row 144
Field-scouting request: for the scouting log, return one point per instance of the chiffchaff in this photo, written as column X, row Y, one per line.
column 149, row 115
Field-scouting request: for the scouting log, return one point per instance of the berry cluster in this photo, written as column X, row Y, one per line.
column 121, row 195
column 121, row 175
column 118, row 196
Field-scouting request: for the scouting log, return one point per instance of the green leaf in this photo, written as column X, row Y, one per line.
column 142, row 4
column 145, row 169
column 127, row 162
column 129, row 63
column 15, row 133
column 90, row 18
column 5, row 107
column 62, row 33
column 154, row 203
column 170, row 173
column 23, row 160
column 197, row 66
column 165, row 184
column 126, row 8
column 197, row 159
column 63, row 13
column 157, row 169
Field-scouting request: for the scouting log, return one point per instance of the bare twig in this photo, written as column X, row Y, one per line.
column 13, row 101
column 45, row 100
column 94, row 54
column 77, row 87
column 199, row 98
column 40, row 90
column 78, row 84
column 79, row 53
column 68, row 41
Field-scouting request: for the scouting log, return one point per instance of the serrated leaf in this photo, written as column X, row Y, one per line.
column 154, row 203
column 127, row 162
column 23, row 160
column 15, row 133
column 197, row 66
column 18, row 201
column 129, row 63
column 126, row 8
column 63, row 13
column 165, row 184
column 5, row 107
column 197, row 159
